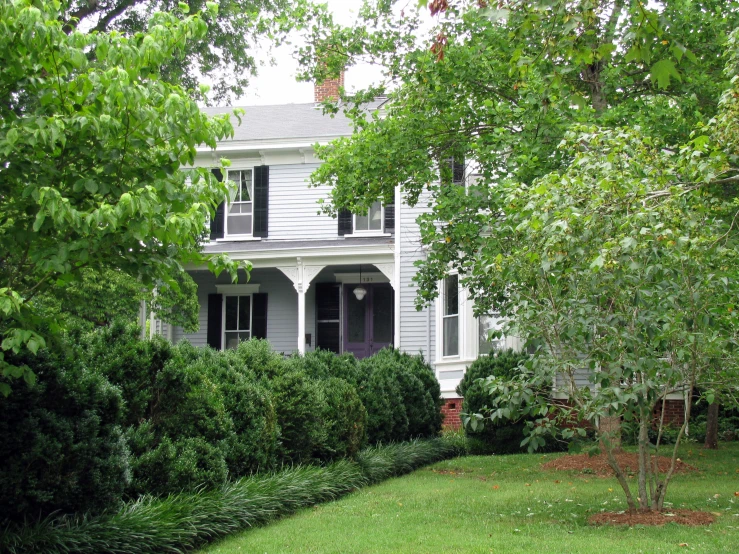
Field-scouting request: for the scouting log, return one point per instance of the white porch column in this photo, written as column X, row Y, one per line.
column 301, row 276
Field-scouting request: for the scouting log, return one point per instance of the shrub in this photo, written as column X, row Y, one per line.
column 296, row 401
column 401, row 395
column 502, row 438
column 181, row 522
column 62, row 446
column 324, row 364
column 343, row 420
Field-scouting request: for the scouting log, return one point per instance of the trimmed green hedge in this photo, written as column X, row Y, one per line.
column 117, row 417
column 503, row 438
column 184, row 521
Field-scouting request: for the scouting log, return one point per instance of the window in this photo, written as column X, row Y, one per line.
column 239, row 220
column 372, row 222
column 450, row 316
column 488, row 324
column 237, row 320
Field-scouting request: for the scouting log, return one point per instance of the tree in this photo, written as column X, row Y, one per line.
column 222, row 54
column 603, row 217
column 92, row 141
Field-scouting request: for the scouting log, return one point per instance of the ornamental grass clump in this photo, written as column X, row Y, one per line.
column 184, row 521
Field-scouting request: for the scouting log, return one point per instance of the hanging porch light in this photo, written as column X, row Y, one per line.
column 360, row 292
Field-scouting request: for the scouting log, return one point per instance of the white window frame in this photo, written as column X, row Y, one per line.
column 229, row 203
column 225, row 331
column 236, row 290
column 444, row 317
column 370, row 232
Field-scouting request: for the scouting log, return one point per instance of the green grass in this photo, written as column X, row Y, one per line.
column 504, row 504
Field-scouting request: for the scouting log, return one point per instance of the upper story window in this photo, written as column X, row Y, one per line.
column 378, row 220
column 240, row 215
column 450, row 316
column 372, row 221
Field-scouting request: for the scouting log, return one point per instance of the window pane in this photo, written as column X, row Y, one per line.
column 244, row 313
column 239, row 224
column 232, row 340
column 232, row 307
column 451, row 295
column 451, row 336
column 245, row 186
column 488, row 324
column 362, row 223
column 375, row 217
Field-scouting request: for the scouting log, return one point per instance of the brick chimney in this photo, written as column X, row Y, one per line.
column 328, row 89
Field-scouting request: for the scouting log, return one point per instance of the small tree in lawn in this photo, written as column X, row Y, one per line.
column 92, row 141
column 623, row 265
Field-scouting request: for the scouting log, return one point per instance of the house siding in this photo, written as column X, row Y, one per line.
column 293, row 205
column 282, row 308
column 417, row 328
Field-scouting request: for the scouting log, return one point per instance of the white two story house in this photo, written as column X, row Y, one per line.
column 341, row 284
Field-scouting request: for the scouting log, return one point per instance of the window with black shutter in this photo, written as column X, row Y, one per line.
column 215, row 320
column 390, row 218
column 216, row 224
column 261, row 201
column 456, row 169
column 328, row 316
column 346, row 223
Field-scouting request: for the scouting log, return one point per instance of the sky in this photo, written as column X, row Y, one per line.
column 277, row 85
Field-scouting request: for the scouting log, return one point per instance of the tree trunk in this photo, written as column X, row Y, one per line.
column 712, row 426
column 611, row 427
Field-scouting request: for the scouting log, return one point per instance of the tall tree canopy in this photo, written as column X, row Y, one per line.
column 224, row 54
column 602, row 219
column 92, row 145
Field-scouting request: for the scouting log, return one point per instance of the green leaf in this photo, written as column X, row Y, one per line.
column 662, row 71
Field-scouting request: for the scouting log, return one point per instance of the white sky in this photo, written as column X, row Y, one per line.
column 277, row 85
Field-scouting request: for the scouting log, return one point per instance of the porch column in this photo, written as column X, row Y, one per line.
column 301, row 316
column 301, row 276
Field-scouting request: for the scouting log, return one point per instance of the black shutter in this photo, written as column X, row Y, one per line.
column 261, row 201
column 216, row 224
column 259, row 316
column 346, row 223
column 328, row 316
column 215, row 320
column 458, row 171
column 390, row 218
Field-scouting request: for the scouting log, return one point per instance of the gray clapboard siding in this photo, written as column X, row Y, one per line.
column 282, row 308
column 293, row 205
column 415, row 333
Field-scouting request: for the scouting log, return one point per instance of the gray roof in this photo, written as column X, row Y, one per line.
column 286, row 121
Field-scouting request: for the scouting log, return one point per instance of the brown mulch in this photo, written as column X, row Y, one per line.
column 682, row 517
column 598, row 465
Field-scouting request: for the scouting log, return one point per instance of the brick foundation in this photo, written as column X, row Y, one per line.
column 451, row 409
column 674, row 412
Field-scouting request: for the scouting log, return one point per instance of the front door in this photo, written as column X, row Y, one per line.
column 368, row 323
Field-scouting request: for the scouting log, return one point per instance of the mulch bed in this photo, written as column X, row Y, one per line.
column 682, row 517
column 598, row 465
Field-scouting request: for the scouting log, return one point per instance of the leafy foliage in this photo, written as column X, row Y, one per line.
column 63, row 446
column 185, row 521
column 504, row 437
column 92, row 141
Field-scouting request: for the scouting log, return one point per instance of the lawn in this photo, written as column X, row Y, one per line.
column 505, row 504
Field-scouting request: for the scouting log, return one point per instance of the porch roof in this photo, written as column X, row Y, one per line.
column 281, row 245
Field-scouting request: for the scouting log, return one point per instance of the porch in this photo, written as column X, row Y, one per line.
column 301, row 304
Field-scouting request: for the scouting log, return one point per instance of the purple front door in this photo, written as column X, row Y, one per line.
column 368, row 323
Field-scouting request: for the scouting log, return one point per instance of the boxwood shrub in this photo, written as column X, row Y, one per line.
column 503, row 438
